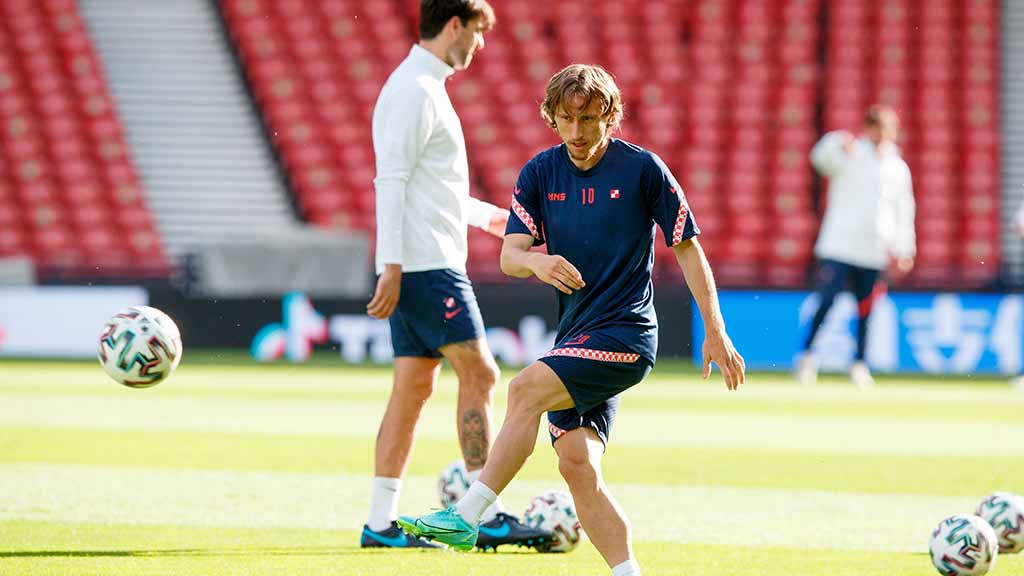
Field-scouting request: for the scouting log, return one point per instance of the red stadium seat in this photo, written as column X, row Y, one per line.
column 726, row 100
column 58, row 149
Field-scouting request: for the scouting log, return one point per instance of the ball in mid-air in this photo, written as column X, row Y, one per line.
column 139, row 347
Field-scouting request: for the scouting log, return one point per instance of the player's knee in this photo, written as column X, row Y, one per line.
column 479, row 380
column 486, row 376
column 525, row 395
column 578, row 469
column 417, row 391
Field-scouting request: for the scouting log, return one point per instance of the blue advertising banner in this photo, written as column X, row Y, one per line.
column 935, row 333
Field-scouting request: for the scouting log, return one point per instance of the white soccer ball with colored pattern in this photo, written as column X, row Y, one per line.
column 1004, row 511
column 139, row 347
column 453, row 483
column 964, row 545
column 555, row 512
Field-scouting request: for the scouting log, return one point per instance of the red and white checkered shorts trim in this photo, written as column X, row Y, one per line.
column 555, row 431
column 525, row 217
column 598, row 355
column 677, row 232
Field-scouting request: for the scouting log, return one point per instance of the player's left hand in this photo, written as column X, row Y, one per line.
column 718, row 348
column 497, row 225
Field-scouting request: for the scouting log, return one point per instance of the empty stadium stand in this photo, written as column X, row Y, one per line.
column 69, row 192
column 731, row 94
column 725, row 91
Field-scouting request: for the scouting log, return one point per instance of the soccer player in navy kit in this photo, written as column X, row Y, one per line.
column 595, row 201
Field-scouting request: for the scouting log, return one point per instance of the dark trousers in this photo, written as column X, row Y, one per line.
column 833, row 277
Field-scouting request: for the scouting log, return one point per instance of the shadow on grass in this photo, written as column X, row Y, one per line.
column 184, row 552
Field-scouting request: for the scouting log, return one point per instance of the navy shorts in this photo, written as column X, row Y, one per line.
column 595, row 370
column 435, row 308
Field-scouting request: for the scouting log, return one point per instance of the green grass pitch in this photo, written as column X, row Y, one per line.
column 236, row 468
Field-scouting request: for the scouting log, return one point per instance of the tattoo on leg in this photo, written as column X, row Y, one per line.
column 473, row 438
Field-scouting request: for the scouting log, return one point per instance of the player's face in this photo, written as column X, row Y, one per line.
column 469, row 40
column 883, row 132
column 584, row 130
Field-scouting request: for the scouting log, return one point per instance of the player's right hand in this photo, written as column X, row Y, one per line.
column 557, row 271
column 389, row 288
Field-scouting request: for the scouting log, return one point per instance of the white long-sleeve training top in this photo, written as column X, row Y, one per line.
column 422, row 183
column 870, row 213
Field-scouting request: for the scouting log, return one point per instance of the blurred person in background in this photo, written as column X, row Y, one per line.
column 868, row 227
column 1018, row 223
column 423, row 209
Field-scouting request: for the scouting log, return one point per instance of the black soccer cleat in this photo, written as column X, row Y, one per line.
column 393, row 537
column 507, row 529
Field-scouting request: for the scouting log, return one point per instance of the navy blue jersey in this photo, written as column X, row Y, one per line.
column 602, row 221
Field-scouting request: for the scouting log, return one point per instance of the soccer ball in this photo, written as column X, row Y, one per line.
column 555, row 512
column 964, row 545
column 1005, row 512
column 139, row 347
column 453, row 483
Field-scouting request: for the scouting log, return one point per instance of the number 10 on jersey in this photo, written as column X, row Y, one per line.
column 587, row 195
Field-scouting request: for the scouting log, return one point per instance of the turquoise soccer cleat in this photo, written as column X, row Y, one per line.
column 445, row 526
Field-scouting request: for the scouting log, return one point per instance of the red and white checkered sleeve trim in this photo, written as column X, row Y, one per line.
column 677, row 232
column 525, row 217
column 597, row 355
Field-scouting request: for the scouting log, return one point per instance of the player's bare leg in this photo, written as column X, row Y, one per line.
column 412, row 386
column 478, row 374
column 534, row 391
column 579, row 461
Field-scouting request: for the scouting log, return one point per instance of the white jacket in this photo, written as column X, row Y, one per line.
column 870, row 213
column 422, row 183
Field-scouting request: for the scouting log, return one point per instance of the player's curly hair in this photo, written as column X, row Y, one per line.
column 588, row 81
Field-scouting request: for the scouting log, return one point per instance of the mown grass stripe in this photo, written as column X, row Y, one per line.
column 54, row 548
column 772, row 394
column 633, row 427
column 827, row 405
column 784, row 470
column 692, row 514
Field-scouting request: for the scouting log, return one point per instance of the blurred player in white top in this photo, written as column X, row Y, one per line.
column 1018, row 223
column 868, row 226
column 423, row 210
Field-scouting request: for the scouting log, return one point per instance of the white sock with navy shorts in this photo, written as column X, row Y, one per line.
column 477, row 499
column 384, row 504
column 492, row 511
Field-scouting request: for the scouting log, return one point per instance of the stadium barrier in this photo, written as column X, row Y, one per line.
column 937, row 333
column 520, row 321
column 326, row 264
column 59, row 321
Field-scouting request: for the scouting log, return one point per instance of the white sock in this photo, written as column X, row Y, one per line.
column 628, row 568
column 477, row 499
column 492, row 511
column 384, row 505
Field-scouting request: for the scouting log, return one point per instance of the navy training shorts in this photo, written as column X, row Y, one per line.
column 435, row 308
column 595, row 370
